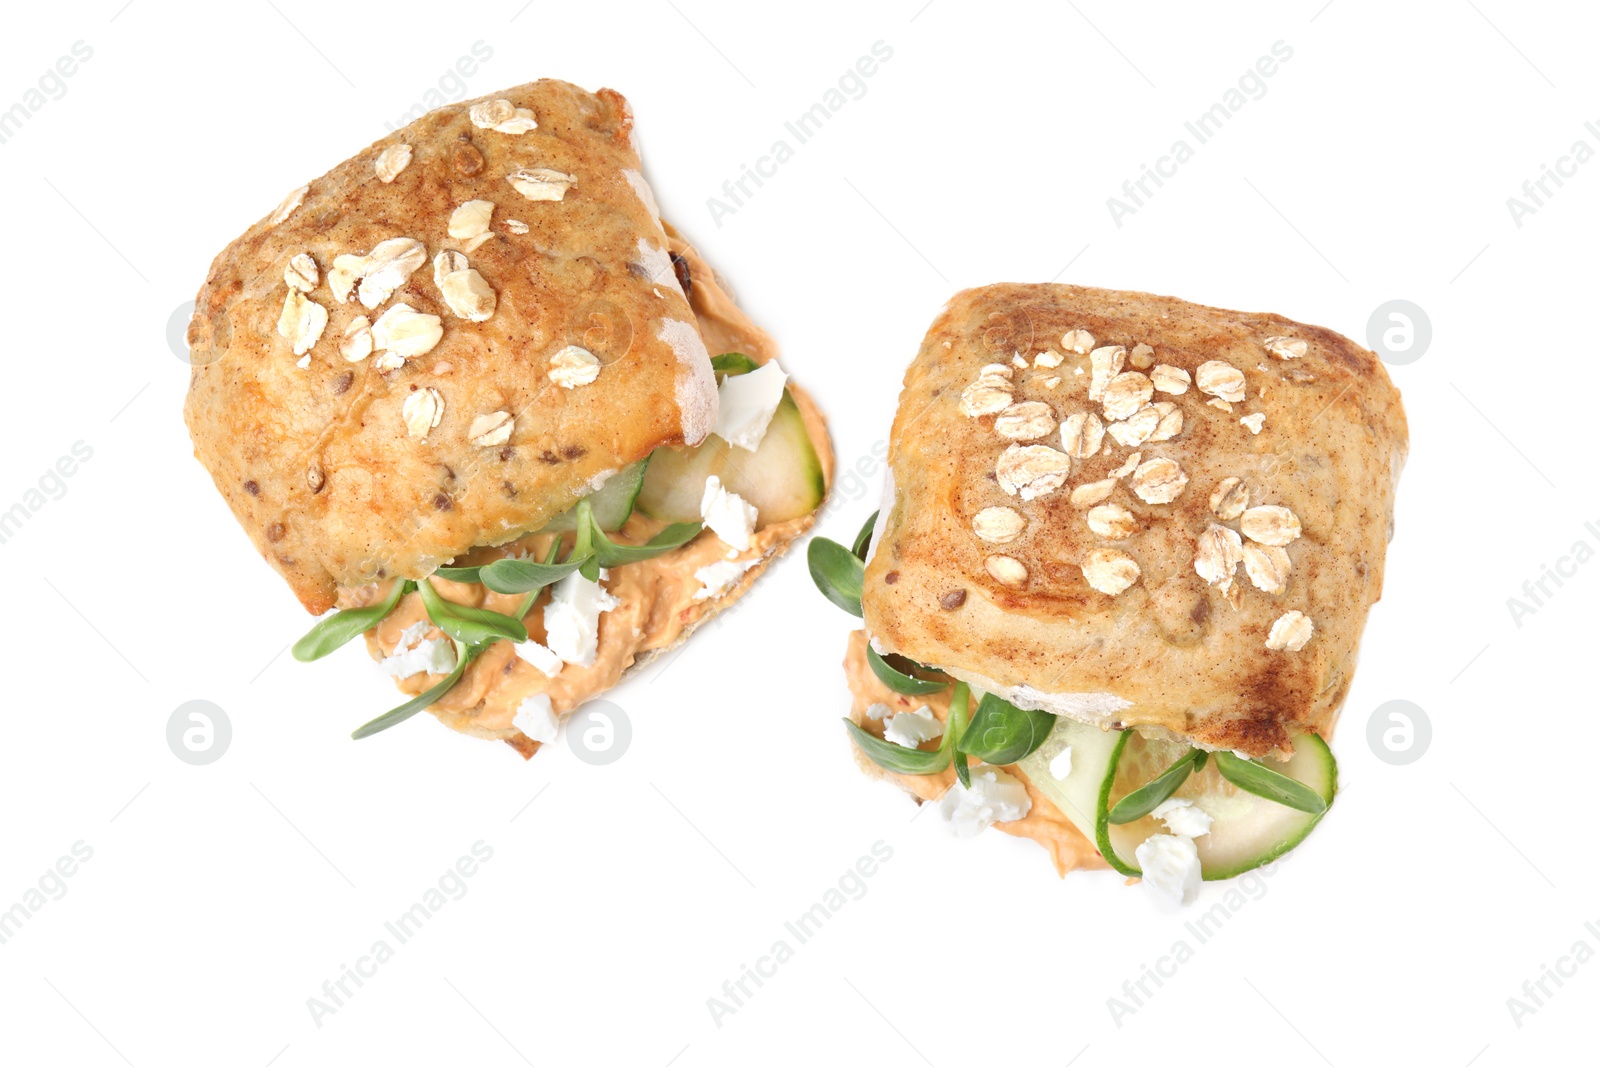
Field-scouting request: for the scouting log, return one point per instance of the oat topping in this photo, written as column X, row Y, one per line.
column 301, row 273
column 1136, row 428
column 1219, row 404
column 1170, row 379
column 989, row 394
column 1081, row 434
column 515, row 226
column 997, row 525
column 1109, row 571
column 344, row 274
column 1270, row 524
column 1125, row 394
column 357, row 343
column 402, row 333
column 1290, row 632
column 541, row 183
column 574, row 366
column 1090, row 493
column 1031, row 470
column 1049, row 359
column 1230, row 498
column 301, row 321
column 502, row 116
column 386, row 268
column 1052, row 381
column 492, row 429
column 468, row 295
column 1005, row 570
column 1018, row 362
column 1027, row 421
column 1253, row 422
column 1217, row 555
column 446, row 264
column 391, row 161
column 1267, row 566
column 1286, row 347
column 1221, row 380
column 1169, row 421
column 422, row 411
column 1079, row 341
column 1129, row 465
column 1159, row 481
column 1141, row 357
column 1112, row 521
column 1105, row 364
column 286, row 208
column 471, row 219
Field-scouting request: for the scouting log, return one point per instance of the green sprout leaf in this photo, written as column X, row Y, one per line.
column 524, row 575
column 1147, row 798
column 1002, row 733
column 470, row 626
column 733, row 363
column 399, row 715
column 1263, row 781
column 608, row 553
column 898, row 758
column 341, row 627
column 895, row 672
column 954, row 728
column 459, row 574
column 864, row 538
column 837, row 572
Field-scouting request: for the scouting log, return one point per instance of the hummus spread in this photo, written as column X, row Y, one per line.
column 658, row 603
column 1044, row 823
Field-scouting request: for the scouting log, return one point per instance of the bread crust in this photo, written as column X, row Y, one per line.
column 1171, row 652
column 318, row 463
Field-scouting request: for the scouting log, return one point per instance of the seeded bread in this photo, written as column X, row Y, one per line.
column 444, row 341
column 1138, row 511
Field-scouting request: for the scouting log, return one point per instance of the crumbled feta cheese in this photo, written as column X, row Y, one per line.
column 541, row 657
column 1171, row 867
column 910, row 728
column 436, row 655
column 995, row 796
column 572, row 618
column 717, row 577
column 876, row 712
column 1061, row 764
column 1182, row 817
column 729, row 517
column 746, row 403
column 537, row 719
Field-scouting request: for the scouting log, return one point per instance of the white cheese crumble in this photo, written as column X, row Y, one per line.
column 436, row 655
column 746, row 404
column 995, row 796
column 910, row 728
column 1182, row 817
column 537, row 719
column 715, row 578
column 547, row 662
column 876, row 712
column 572, row 618
column 728, row 515
column 1171, row 867
column 1061, row 764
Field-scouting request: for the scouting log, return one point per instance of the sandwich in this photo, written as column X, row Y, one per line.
column 470, row 393
column 1113, row 596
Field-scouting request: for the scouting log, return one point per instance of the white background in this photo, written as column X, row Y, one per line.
column 220, row 898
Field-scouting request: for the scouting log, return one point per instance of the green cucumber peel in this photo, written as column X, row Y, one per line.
column 1147, row 798
column 837, row 572
column 1263, row 781
column 955, row 728
column 734, row 363
column 341, row 627
column 1001, row 733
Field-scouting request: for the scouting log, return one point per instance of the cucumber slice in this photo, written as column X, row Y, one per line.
column 612, row 502
column 1246, row 830
column 782, row 478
